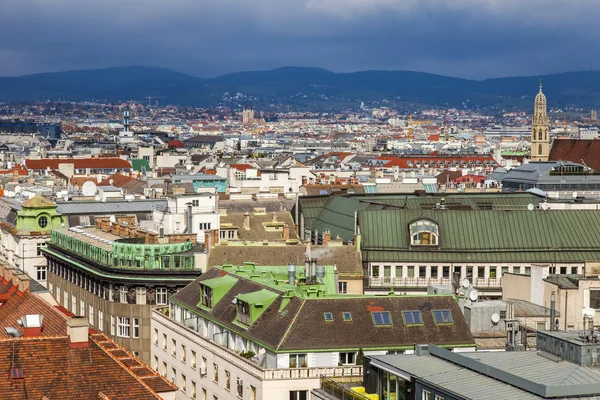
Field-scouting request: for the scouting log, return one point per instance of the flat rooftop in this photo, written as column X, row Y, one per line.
column 498, row 375
column 91, row 235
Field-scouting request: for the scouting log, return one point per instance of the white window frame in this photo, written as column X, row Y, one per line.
column 123, row 327
column 42, row 273
column 113, row 325
column 342, row 287
column 135, row 331
column 82, row 308
column 162, row 295
column 100, row 321
column 348, row 358
column 123, row 294
column 91, row 315
column 140, row 295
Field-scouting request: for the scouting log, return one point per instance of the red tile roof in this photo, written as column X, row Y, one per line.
column 52, row 163
column 403, row 162
column 52, row 368
column 575, row 150
column 22, row 171
column 123, row 181
column 241, row 167
column 16, row 304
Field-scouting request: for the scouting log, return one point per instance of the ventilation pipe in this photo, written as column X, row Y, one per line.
column 307, row 268
column 552, row 310
column 188, row 227
column 320, row 272
column 313, row 269
column 292, row 274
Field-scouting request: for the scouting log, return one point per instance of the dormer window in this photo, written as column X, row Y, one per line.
column 206, row 296
column 243, row 312
column 424, row 233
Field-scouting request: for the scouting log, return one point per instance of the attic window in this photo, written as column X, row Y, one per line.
column 16, row 373
column 243, row 312
column 206, row 296
column 424, row 233
column 347, row 316
column 442, row 317
column 382, row 318
column 412, row 317
column 328, row 317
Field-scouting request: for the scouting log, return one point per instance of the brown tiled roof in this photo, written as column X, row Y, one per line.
column 575, row 150
column 361, row 332
column 79, row 181
column 53, row 369
column 257, row 229
column 346, row 258
column 38, row 202
column 19, row 304
column 123, row 181
column 304, row 327
column 52, row 163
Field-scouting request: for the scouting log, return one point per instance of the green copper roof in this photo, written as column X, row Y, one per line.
column 484, row 236
column 226, row 281
column 139, row 164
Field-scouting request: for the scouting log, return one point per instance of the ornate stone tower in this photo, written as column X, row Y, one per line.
column 540, row 143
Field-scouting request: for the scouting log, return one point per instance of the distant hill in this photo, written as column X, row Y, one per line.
column 291, row 84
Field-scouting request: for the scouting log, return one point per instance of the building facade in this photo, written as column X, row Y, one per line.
column 252, row 332
column 115, row 274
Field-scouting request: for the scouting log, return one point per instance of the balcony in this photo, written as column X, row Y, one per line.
column 266, row 374
column 384, row 282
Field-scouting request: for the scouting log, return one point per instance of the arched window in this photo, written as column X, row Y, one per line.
column 424, row 233
column 540, row 149
column 540, row 134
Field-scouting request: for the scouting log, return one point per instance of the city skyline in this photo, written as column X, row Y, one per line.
column 465, row 38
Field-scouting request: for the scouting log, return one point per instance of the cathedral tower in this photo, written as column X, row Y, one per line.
column 540, row 143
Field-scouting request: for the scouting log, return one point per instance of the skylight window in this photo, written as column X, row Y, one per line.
column 347, row 316
column 382, row 318
column 412, row 317
column 442, row 317
column 16, row 373
column 328, row 317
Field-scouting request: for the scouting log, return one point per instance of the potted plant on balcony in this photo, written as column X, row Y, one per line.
column 359, row 357
column 293, row 364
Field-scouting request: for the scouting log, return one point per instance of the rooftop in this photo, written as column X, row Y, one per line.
column 497, row 375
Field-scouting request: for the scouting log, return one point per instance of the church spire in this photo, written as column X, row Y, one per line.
column 540, row 143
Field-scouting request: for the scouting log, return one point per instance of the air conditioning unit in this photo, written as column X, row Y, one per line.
column 202, row 372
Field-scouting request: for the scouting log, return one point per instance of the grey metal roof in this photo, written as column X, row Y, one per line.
column 528, row 367
column 523, row 308
column 465, row 383
column 110, row 207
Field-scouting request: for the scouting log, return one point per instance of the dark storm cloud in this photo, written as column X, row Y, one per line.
column 467, row 38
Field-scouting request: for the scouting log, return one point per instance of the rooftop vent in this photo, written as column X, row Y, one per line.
column 422, row 350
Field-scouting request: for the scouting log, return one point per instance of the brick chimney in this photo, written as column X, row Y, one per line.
column 78, row 332
column 23, row 282
column 16, row 174
column 8, row 274
column 326, row 238
column 286, row 232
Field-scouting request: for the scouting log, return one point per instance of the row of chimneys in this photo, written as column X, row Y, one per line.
column 124, row 226
column 19, row 279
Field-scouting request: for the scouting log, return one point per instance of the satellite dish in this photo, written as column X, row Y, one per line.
column 530, row 207
column 495, row 318
column 466, row 283
column 473, row 295
column 544, row 206
column 589, row 312
column 89, row 188
column 188, row 167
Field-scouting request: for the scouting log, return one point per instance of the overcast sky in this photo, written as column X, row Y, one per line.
column 464, row 38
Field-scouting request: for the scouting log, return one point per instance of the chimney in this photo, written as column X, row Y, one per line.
column 246, row 224
column 326, row 238
column 307, row 268
column 286, row 232
column 32, row 325
column 78, row 330
column 304, row 180
column 207, row 239
column 8, row 274
column 23, row 282
column 313, row 269
column 16, row 174
column 292, row 274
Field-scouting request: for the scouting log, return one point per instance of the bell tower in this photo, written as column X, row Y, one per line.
column 540, row 143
